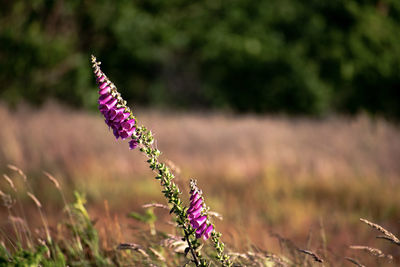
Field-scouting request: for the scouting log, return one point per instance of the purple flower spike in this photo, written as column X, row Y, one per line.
column 207, row 232
column 116, row 114
column 197, row 213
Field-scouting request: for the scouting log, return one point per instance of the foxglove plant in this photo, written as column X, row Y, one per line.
column 193, row 221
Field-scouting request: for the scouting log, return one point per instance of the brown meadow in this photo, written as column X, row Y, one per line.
column 275, row 180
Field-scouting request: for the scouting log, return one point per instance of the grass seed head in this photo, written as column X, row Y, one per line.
column 53, row 180
column 10, row 182
column 37, row 202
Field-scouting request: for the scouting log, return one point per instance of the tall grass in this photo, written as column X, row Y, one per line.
column 306, row 181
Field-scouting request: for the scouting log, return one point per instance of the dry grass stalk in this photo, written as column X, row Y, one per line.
column 355, row 262
column 216, row 215
column 17, row 220
column 157, row 254
column 387, row 235
column 257, row 259
column 173, row 224
column 174, row 242
column 315, row 256
column 240, row 255
column 173, row 166
column 10, row 182
column 278, row 260
column 20, row 172
column 37, row 202
column 118, row 231
column 8, row 202
column 373, row 251
column 20, row 226
column 155, row 205
column 260, row 257
column 43, row 218
column 254, row 257
column 54, row 180
column 288, row 244
column 134, row 247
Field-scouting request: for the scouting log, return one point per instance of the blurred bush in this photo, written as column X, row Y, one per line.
column 310, row 57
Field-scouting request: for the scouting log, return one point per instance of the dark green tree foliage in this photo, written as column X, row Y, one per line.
column 289, row 56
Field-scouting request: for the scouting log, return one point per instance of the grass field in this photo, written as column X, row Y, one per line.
column 279, row 183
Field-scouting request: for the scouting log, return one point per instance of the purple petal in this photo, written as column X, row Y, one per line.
column 190, row 210
column 125, row 116
column 126, row 133
column 108, row 106
column 103, row 85
column 199, row 232
column 194, row 216
column 116, row 133
column 104, row 90
column 194, row 197
column 128, row 124
column 123, row 134
column 194, row 212
column 133, row 144
column 101, row 79
column 103, row 109
column 208, row 231
column 199, row 221
column 105, row 98
column 121, row 117
column 109, row 123
column 115, row 126
column 112, row 103
column 114, row 112
column 197, row 204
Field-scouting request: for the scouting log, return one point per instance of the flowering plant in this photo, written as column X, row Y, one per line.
column 194, row 221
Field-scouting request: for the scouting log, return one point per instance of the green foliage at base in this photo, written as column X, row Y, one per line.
column 81, row 246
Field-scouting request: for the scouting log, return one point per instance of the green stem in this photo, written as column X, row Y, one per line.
column 171, row 190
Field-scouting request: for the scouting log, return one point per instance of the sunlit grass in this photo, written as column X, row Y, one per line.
column 294, row 177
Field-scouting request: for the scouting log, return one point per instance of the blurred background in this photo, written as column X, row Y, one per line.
column 298, row 57
column 285, row 111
